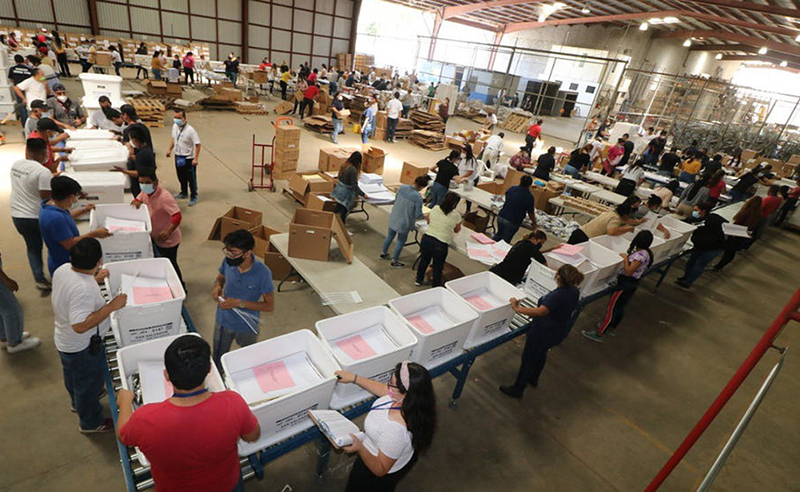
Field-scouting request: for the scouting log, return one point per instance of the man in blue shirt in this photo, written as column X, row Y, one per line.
column 519, row 201
column 407, row 210
column 243, row 289
column 57, row 221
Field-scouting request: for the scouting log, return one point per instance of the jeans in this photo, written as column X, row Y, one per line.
column 172, row 255
column 117, row 66
column 538, row 342
column 732, row 245
column 342, row 212
column 406, row 109
column 188, row 73
column 63, row 64
column 284, row 85
column 140, row 69
column 306, row 103
column 364, row 137
column 626, row 287
column 338, row 125
column 11, row 318
column 438, row 191
column 431, row 248
column 505, row 230
column 22, row 110
column 239, row 485
column 29, row 229
column 697, row 264
column 223, row 339
column 187, row 176
column 234, row 77
column 787, row 207
column 738, row 196
column 398, row 248
column 83, row 378
column 686, row 177
column 391, row 128
column 529, row 141
column 156, row 73
column 572, row 172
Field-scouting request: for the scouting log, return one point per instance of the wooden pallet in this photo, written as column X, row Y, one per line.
column 250, row 108
column 150, row 110
column 516, row 122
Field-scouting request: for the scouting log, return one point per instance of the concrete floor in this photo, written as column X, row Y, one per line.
column 605, row 417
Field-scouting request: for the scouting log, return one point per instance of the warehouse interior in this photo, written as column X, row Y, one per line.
column 721, row 75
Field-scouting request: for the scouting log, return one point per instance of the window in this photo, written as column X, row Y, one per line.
column 573, row 87
column 590, row 89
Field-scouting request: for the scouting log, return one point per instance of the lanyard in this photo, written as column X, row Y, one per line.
column 189, row 395
column 383, row 406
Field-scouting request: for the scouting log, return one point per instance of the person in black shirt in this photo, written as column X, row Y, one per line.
column 655, row 148
column 708, row 241
column 691, row 149
column 627, row 147
column 446, row 170
column 740, row 190
column 518, row 259
column 545, row 163
column 17, row 74
column 668, row 162
column 712, row 166
column 145, row 159
column 131, row 119
column 578, row 162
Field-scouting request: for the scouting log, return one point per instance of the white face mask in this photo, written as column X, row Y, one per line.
column 74, row 204
column 62, row 98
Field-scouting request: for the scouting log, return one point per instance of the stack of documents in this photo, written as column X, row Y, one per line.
column 364, row 344
column 430, row 320
column 371, row 178
column 115, row 225
column 276, row 378
column 377, row 193
column 155, row 388
column 145, row 290
column 488, row 254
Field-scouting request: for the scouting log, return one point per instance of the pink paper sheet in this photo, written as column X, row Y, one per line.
column 114, row 229
column 480, row 253
column 420, row 324
column 479, row 302
column 356, row 347
column 482, row 238
column 568, row 249
column 148, row 295
column 273, row 377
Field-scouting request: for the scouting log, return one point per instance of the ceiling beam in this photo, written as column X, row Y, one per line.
column 740, row 23
column 729, row 36
column 723, row 47
column 521, row 26
column 752, row 6
column 457, row 10
column 793, row 62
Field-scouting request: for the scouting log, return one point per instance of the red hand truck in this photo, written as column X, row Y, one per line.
column 265, row 167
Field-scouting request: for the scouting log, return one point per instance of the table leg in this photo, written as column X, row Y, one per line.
column 292, row 273
column 664, row 273
column 461, row 379
column 324, row 448
column 256, row 465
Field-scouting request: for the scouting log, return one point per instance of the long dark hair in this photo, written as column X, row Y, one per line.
column 750, row 213
column 354, row 160
column 643, row 240
column 57, row 39
column 419, row 405
column 468, row 152
column 449, row 203
column 673, row 185
column 696, row 187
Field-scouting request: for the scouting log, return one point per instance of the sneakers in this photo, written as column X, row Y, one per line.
column 106, row 426
column 25, row 336
column 592, row 335
column 397, row 264
column 25, row 344
column 384, row 256
column 510, row 391
column 683, row 283
column 44, row 285
column 193, row 202
column 181, row 196
column 418, row 283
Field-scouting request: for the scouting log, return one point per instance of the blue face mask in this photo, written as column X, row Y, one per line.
column 148, row 188
column 695, row 214
column 178, row 121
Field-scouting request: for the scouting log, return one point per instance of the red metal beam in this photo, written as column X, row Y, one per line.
column 752, row 6
column 458, row 10
column 723, row 47
column 729, row 36
column 521, row 26
column 740, row 23
column 497, row 38
column 93, row 23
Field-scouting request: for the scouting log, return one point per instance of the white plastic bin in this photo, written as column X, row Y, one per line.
column 128, row 359
column 286, row 414
column 607, row 263
column 489, row 296
column 123, row 246
column 369, row 343
column 541, row 278
column 95, row 144
column 142, row 323
column 101, row 188
column 682, row 228
column 440, row 320
column 99, row 159
column 83, row 134
column 96, row 85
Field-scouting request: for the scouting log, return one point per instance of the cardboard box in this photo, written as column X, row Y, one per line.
column 449, row 272
column 512, row 178
column 381, row 120
column 103, row 58
column 454, row 142
column 174, row 89
column 475, row 221
column 283, row 154
column 289, row 165
column 233, row 95
column 494, row 188
column 373, row 160
column 302, row 184
column 380, row 134
column 412, row 171
column 310, row 234
column 278, row 265
column 259, row 77
column 542, row 196
column 331, row 159
column 283, row 173
column 284, row 107
column 157, row 87
column 287, row 134
column 234, row 219
column 261, row 234
column 320, row 201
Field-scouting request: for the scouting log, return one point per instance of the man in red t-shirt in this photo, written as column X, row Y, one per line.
column 791, row 203
column 771, row 202
column 308, row 98
column 47, row 130
column 534, row 133
column 191, row 438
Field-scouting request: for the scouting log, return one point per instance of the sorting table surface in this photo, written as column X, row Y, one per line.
column 336, row 275
column 608, row 197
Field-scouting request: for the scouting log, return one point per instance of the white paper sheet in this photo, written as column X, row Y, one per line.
column 375, row 339
column 430, row 320
column 370, row 178
column 300, row 368
column 573, row 260
column 155, row 388
column 735, row 230
column 482, row 299
column 115, row 225
column 336, row 426
column 145, row 290
column 371, row 188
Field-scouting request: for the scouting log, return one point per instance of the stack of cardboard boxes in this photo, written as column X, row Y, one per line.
column 332, row 158
column 164, row 88
column 303, row 185
column 287, row 151
column 344, row 61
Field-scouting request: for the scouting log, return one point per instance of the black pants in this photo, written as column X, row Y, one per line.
column 626, row 287
column 188, row 73
column 172, row 255
column 117, row 66
column 431, row 248
column 342, row 212
column 63, row 64
column 187, row 178
column 626, row 187
column 283, row 90
column 577, row 237
column 787, row 207
column 140, row 69
column 732, row 245
column 362, row 480
column 307, row 103
column 391, row 128
column 534, row 356
column 529, row 141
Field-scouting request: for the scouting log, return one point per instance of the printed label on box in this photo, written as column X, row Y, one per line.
column 130, row 255
column 443, row 351
column 294, row 419
column 383, row 377
column 494, row 327
column 136, row 335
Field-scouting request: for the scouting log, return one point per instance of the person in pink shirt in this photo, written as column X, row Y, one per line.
column 188, row 68
column 165, row 216
column 614, row 156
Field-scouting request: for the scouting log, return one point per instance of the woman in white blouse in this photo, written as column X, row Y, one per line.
column 398, row 428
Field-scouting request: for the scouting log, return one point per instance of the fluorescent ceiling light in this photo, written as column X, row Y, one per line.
column 797, row 38
column 763, row 50
column 643, row 26
column 546, row 11
column 687, row 43
column 784, row 64
column 671, row 20
column 719, row 56
column 585, row 9
column 655, row 21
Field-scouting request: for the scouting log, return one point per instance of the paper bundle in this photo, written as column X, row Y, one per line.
column 115, row 225
column 145, row 290
column 276, row 378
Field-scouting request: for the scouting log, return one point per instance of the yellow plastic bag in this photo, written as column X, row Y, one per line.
column 356, row 128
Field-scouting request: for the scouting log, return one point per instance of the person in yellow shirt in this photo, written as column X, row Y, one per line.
column 690, row 169
column 157, row 65
column 286, row 76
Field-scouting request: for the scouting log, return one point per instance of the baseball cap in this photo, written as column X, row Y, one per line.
column 38, row 104
column 48, row 124
column 59, row 87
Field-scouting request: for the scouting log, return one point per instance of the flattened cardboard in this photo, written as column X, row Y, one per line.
column 234, row 219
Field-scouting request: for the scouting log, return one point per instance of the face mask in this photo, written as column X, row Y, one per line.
column 74, row 205
column 695, row 214
column 234, row 262
column 62, row 98
column 133, row 145
column 148, row 188
column 46, row 114
column 178, row 121
column 538, row 246
column 394, row 395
